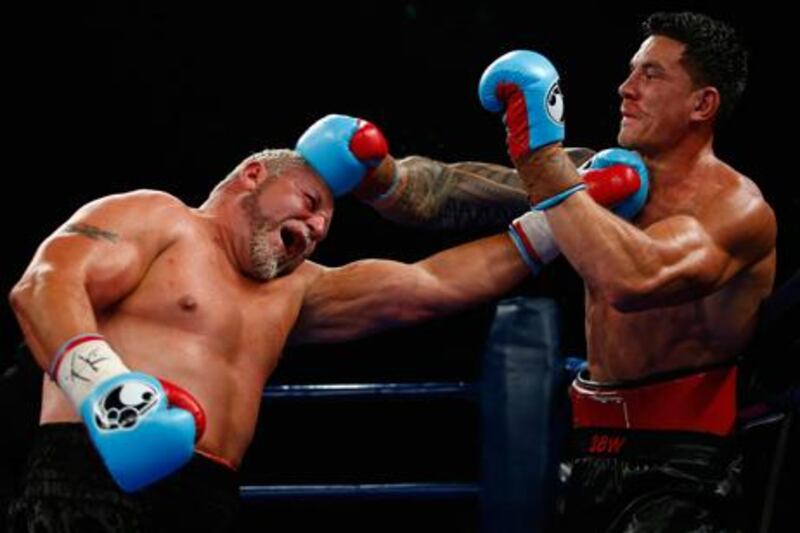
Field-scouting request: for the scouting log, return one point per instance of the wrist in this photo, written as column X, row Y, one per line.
column 83, row 362
column 533, row 238
column 380, row 183
column 556, row 199
column 546, row 172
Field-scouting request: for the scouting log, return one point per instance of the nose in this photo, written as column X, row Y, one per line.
column 317, row 224
column 627, row 88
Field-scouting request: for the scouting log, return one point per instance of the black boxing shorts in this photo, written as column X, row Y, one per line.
column 654, row 455
column 66, row 488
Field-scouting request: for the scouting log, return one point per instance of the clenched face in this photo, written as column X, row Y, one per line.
column 658, row 97
column 288, row 215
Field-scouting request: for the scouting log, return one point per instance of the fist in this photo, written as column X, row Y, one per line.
column 342, row 150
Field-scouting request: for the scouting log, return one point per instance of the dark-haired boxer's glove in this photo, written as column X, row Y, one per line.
column 343, row 150
column 524, row 85
column 612, row 172
column 614, row 178
column 144, row 429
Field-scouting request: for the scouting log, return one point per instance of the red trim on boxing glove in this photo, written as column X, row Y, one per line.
column 610, row 185
column 518, row 138
column 181, row 398
column 368, row 143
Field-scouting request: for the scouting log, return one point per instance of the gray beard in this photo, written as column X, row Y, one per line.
column 266, row 265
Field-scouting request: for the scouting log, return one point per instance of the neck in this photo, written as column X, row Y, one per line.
column 217, row 213
column 677, row 163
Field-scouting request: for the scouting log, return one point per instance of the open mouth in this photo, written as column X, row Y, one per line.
column 294, row 241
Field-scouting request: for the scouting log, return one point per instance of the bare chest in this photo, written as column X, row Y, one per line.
column 195, row 294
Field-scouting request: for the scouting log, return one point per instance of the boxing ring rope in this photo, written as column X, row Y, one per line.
column 363, row 392
column 521, row 422
column 368, row 391
column 383, row 491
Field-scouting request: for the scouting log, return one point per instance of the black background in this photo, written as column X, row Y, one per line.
column 108, row 97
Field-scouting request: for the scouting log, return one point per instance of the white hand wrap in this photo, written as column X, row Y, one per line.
column 81, row 363
column 534, row 239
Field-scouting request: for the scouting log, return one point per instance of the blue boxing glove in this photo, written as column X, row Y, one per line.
column 618, row 178
column 343, row 150
column 142, row 428
column 525, row 85
column 614, row 178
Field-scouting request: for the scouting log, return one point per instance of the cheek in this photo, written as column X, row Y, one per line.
column 673, row 105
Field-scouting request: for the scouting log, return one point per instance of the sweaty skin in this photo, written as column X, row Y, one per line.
column 465, row 195
column 681, row 286
column 178, row 295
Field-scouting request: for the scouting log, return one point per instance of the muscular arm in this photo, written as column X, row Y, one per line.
column 372, row 295
column 465, row 195
column 677, row 259
column 92, row 261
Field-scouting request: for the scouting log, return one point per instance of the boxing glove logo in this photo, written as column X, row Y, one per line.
column 554, row 104
column 124, row 405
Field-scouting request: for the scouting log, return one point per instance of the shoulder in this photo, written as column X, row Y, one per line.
column 736, row 192
column 739, row 214
column 142, row 216
column 139, row 208
column 309, row 273
column 143, row 200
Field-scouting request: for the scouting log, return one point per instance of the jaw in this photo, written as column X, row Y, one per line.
column 277, row 252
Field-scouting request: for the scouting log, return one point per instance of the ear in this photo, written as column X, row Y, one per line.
column 706, row 104
column 252, row 174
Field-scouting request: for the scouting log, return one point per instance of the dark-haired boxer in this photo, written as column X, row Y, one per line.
column 672, row 298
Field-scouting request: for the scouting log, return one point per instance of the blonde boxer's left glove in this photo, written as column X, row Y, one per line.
column 144, row 429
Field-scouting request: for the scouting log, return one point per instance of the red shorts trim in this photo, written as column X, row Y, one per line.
column 703, row 402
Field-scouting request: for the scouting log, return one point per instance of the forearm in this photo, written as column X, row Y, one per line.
column 631, row 268
column 472, row 274
column 50, row 311
column 373, row 295
column 421, row 192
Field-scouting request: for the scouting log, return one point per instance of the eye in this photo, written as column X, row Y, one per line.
column 311, row 202
column 651, row 73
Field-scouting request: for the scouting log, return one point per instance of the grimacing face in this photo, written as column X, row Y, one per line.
column 657, row 97
column 288, row 216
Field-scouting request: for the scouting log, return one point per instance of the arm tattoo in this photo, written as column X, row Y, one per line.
column 93, row 232
column 547, row 172
column 436, row 195
column 467, row 195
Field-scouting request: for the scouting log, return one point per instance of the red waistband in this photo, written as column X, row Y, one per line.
column 703, row 402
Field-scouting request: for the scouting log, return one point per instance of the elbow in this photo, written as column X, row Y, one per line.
column 20, row 296
column 30, row 289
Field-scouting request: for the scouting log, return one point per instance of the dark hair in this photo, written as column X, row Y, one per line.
column 714, row 55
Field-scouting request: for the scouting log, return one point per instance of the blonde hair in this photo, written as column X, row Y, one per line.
column 275, row 161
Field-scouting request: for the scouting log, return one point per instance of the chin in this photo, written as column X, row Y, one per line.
column 628, row 142
column 624, row 139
